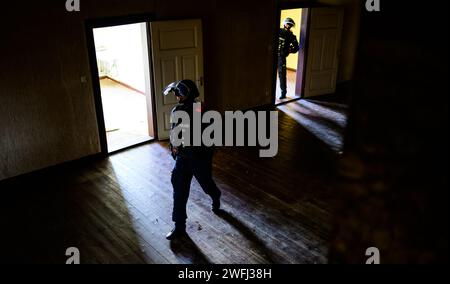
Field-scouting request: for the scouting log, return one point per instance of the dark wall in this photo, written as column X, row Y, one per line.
column 394, row 175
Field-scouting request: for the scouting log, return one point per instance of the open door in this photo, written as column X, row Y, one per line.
column 177, row 48
column 323, row 51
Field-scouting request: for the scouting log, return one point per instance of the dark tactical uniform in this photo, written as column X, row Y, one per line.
column 191, row 161
column 287, row 44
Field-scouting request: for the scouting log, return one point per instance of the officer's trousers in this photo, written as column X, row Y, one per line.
column 282, row 73
column 186, row 168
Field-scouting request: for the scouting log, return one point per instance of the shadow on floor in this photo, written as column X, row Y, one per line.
column 188, row 251
column 248, row 234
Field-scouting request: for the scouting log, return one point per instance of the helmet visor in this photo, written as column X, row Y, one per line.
column 172, row 87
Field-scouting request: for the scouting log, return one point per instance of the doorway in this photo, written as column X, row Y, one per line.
column 322, row 109
column 295, row 62
column 121, row 53
column 132, row 59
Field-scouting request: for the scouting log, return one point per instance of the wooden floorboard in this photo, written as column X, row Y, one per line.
column 118, row 210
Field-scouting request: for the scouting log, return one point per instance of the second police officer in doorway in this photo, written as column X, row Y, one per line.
column 287, row 44
column 190, row 161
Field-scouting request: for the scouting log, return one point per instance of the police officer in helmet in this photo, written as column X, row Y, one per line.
column 287, row 44
column 190, row 161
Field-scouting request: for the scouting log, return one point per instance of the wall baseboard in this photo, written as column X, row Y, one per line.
column 53, row 169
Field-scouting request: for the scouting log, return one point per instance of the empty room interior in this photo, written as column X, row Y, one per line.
column 86, row 160
column 122, row 64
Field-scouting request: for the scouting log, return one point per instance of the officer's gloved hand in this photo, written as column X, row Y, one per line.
column 174, row 151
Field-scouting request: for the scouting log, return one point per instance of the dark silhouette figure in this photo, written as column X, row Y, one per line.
column 287, row 44
column 191, row 161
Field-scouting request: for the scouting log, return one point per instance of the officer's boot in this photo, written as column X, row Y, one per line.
column 177, row 232
column 216, row 203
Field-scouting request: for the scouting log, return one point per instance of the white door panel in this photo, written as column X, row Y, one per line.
column 323, row 51
column 177, row 48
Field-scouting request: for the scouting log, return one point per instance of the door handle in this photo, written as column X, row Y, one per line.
column 200, row 81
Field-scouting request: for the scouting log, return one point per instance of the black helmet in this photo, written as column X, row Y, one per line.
column 289, row 21
column 184, row 88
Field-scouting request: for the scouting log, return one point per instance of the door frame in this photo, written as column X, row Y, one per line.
column 90, row 25
column 287, row 6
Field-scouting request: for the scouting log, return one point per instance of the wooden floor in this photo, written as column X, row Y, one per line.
column 324, row 119
column 118, row 210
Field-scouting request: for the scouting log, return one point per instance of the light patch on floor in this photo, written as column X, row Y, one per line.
column 327, row 121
